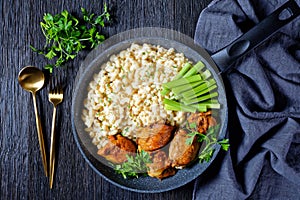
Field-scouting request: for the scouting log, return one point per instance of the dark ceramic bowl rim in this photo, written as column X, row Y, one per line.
column 92, row 64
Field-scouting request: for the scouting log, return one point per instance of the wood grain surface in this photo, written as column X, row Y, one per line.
column 21, row 170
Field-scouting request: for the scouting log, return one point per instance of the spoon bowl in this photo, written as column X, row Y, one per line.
column 32, row 79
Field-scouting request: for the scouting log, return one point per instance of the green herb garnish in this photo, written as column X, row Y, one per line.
column 210, row 139
column 66, row 35
column 224, row 144
column 135, row 165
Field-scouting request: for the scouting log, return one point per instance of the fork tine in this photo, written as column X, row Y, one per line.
column 56, row 83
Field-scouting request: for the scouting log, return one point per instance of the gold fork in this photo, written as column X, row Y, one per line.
column 55, row 97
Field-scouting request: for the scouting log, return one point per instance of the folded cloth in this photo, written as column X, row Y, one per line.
column 263, row 93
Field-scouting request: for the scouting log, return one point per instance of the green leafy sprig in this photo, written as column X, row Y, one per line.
column 67, row 35
column 134, row 166
column 210, row 139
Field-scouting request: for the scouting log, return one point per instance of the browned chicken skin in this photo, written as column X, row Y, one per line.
column 154, row 136
column 180, row 153
column 117, row 148
column 161, row 165
column 203, row 121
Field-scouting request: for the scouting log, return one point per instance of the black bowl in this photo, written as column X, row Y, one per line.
column 92, row 65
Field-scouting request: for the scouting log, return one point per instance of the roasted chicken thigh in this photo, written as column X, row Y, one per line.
column 202, row 121
column 181, row 153
column 154, row 136
column 161, row 165
column 117, row 148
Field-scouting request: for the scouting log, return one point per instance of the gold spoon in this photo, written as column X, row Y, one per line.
column 32, row 79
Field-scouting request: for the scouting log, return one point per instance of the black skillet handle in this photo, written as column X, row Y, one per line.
column 255, row 36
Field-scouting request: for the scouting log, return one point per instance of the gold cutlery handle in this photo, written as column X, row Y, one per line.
column 52, row 147
column 40, row 135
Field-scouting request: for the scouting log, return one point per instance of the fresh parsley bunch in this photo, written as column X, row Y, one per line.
column 67, row 35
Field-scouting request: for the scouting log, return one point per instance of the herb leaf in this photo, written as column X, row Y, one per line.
column 66, row 35
column 224, row 144
column 190, row 139
column 210, row 139
column 134, row 165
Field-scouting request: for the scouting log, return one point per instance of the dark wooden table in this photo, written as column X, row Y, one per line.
column 21, row 171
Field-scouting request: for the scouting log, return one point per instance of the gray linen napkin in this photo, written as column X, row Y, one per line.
column 264, row 106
